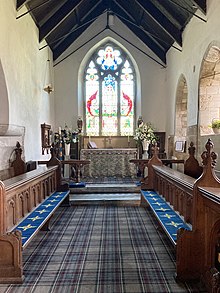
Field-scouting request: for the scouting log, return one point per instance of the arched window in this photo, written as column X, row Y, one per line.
column 110, row 93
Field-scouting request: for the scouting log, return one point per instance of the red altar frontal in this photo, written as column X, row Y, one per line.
column 109, row 162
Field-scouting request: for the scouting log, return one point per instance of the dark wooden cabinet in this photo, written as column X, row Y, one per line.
column 161, row 142
column 74, row 150
column 45, row 138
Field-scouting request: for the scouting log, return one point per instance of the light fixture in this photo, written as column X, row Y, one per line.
column 48, row 88
column 48, row 85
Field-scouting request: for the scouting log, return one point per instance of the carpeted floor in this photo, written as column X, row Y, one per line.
column 100, row 249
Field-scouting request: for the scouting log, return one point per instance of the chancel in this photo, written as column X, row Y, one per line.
column 109, row 169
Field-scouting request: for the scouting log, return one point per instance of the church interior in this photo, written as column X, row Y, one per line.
column 109, row 142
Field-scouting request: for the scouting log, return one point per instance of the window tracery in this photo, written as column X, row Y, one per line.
column 109, row 93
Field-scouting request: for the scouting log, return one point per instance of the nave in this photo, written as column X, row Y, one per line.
column 101, row 248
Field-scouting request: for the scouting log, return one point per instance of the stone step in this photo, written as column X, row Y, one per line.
column 122, row 199
column 107, row 188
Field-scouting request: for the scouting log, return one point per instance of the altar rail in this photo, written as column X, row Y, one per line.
column 198, row 200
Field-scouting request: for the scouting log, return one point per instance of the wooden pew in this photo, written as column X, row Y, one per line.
column 198, row 202
column 175, row 187
column 171, row 190
column 198, row 253
column 21, row 199
column 191, row 165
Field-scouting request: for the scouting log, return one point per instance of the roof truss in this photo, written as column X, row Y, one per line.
column 158, row 24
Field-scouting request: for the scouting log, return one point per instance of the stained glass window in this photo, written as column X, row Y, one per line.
column 110, row 93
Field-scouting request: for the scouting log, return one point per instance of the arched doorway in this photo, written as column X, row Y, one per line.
column 209, row 89
column 181, row 109
column 181, row 118
column 209, row 97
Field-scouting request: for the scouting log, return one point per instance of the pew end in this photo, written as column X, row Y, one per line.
column 11, row 269
column 197, row 253
column 191, row 166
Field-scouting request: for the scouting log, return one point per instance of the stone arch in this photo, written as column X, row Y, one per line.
column 181, row 109
column 180, row 133
column 209, row 88
column 4, row 104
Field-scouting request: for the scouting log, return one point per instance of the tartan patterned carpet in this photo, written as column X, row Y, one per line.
column 100, row 249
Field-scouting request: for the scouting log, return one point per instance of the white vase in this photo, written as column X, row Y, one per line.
column 67, row 149
column 145, row 145
column 67, row 156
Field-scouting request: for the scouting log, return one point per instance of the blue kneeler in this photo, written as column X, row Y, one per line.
column 36, row 220
column 168, row 218
column 138, row 183
column 77, row 184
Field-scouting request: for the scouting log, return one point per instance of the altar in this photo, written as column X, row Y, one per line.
column 109, row 162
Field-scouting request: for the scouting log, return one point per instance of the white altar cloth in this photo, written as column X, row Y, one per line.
column 109, row 162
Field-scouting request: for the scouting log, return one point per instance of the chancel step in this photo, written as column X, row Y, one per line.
column 124, row 199
column 107, row 188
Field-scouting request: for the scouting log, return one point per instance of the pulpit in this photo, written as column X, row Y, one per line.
column 109, row 162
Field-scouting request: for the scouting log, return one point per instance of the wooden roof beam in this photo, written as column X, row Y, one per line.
column 161, row 20
column 201, row 5
column 21, row 3
column 57, row 18
column 61, row 45
column 148, row 41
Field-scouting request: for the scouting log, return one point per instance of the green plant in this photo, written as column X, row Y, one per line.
column 215, row 123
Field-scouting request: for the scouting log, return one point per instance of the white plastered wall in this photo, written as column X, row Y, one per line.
column 69, row 72
column 24, row 70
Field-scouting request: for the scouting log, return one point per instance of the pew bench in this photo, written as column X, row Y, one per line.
column 169, row 219
column 32, row 196
column 39, row 218
column 169, row 195
column 198, row 202
column 170, row 200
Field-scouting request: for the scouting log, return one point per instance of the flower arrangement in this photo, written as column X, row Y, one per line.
column 216, row 123
column 66, row 135
column 145, row 132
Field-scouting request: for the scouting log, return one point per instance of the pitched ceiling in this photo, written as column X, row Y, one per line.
column 157, row 23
